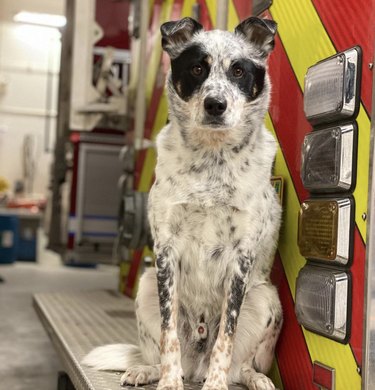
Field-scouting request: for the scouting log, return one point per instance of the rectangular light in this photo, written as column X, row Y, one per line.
column 332, row 88
column 324, row 376
column 329, row 159
column 325, row 230
column 322, row 301
column 40, row 19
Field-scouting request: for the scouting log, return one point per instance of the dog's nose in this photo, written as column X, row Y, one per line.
column 214, row 106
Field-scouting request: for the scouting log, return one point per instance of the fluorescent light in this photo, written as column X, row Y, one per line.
column 40, row 19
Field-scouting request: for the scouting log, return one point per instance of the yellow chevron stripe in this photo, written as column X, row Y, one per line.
column 150, row 160
column 322, row 349
column 275, row 375
column 154, row 63
column 233, row 19
column 187, row 8
column 306, row 42
column 124, row 272
column 212, row 10
column 151, row 5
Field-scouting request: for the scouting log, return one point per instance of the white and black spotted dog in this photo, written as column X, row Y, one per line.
column 209, row 312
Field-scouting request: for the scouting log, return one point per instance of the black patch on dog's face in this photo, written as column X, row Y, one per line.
column 251, row 82
column 185, row 81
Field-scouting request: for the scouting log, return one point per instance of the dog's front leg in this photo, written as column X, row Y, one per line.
column 221, row 355
column 170, row 352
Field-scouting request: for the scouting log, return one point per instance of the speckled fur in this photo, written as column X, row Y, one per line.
column 215, row 219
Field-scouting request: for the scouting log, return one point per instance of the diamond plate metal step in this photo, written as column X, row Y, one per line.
column 77, row 322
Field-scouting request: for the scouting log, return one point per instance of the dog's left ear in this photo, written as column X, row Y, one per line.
column 175, row 34
column 260, row 32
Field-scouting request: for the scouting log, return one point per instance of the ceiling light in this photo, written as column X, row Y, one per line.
column 40, row 19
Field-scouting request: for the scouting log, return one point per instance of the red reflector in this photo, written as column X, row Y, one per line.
column 324, row 376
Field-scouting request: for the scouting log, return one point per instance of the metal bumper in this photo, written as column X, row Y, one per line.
column 77, row 322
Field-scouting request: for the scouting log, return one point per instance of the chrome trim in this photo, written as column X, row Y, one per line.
column 340, row 253
column 346, row 64
column 337, row 326
column 325, row 367
column 335, row 172
column 368, row 360
column 350, row 85
column 346, row 157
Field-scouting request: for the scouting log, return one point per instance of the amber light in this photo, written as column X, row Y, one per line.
column 325, row 229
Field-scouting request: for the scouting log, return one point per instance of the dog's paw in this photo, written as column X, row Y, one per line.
column 139, row 375
column 260, row 381
column 170, row 384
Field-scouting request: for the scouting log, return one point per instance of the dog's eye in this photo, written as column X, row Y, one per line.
column 196, row 70
column 237, row 71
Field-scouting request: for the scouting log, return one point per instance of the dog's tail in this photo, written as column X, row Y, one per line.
column 114, row 357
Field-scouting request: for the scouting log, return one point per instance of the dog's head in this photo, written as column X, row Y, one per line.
column 218, row 80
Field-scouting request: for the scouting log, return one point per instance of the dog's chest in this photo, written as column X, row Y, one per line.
column 212, row 181
column 206, row 240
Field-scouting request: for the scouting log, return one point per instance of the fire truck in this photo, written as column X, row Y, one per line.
column 321, row 115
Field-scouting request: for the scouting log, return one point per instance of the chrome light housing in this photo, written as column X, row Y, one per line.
column 332, row 88
column 325, row 230
column 322, row 301
column 329, row 159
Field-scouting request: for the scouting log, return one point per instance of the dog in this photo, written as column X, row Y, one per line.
column 208, row 312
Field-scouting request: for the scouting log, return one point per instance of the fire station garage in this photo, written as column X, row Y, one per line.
column 187, row 194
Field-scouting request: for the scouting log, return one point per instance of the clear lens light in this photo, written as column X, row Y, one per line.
column 324, row 83
column 322, row 301
column 40, row 19
column 331, row 88
column 327, row 159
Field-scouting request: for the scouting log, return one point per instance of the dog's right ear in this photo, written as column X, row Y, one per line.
column 261, row 32
column 175, row 34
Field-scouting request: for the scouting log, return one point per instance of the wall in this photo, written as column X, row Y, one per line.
column 29, row 70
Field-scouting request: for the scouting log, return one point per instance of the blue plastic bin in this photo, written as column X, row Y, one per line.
column 27, row 243
column 9, row 237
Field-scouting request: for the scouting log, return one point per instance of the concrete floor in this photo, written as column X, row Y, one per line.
column 27, row 358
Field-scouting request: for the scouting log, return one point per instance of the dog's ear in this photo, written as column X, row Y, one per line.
column 260, row 32
column 177, row 33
